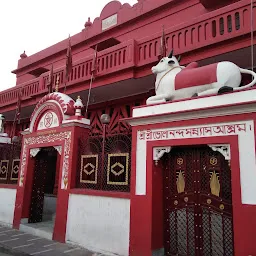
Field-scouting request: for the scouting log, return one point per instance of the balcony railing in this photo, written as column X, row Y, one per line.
column 211, row 28
column 208, row 29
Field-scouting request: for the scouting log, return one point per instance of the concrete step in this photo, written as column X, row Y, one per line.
column 41, row 229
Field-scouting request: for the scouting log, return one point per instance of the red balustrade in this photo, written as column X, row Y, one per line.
column 208, row 29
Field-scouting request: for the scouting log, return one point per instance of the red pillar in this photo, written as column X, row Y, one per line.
column 157, row 207
column 23, row 195
column 141, row 210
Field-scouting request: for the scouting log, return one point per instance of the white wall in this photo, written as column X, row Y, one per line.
column 7, row 204
column 98, row 223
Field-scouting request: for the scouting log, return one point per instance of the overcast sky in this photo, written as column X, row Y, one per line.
column 33, row 25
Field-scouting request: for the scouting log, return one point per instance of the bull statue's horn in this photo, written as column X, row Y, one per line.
column 179, row 58
column 171, row 53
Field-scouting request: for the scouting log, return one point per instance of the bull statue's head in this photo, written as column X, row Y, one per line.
column 166, row 63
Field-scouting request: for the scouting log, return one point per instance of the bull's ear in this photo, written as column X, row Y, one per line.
column 179, row 58
column 170, row 62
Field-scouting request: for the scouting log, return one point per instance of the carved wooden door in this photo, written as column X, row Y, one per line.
column 37, row 197
column 198, row 203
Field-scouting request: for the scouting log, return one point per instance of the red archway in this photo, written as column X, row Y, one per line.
column 53, row 124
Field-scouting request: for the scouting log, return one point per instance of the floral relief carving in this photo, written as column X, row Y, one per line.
column 41, row 139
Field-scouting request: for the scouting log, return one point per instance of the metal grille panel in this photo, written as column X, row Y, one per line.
column 228, row 238
column 182, row 231
column 207, row 233
column 198, row 203
column 191, row 231
column 173, row 231
column 217, row 234
column 9, row 162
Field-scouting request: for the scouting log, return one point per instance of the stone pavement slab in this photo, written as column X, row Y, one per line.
column 15, row 242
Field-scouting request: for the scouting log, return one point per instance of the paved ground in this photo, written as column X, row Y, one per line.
column 15, row 242
column 4, row 254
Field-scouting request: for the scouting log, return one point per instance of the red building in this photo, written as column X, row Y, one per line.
column 123, row 177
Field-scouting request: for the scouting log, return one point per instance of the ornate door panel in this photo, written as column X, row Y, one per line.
column 198, row 203
column 37, row 197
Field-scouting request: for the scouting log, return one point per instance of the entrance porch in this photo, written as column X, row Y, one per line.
column 43, row 199
column 193, row 177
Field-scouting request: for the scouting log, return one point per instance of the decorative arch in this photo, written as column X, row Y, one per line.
column 50, row 111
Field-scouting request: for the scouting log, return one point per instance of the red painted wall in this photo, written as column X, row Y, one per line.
column 157, row 207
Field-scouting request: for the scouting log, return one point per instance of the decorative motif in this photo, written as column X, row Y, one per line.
column 59, row 149
column 192, row 132
column 118, row 168
column 180, row 161
column 4, row 169
column 89, row 165
column 48, row 119
column 117, row 173
column 41, row 139
column 57, row 83
column 215, row 184
column 186, row 199
column 22, row 178
column 158, row 152
column 224, row 149
column 116, row 113
column 176, row 202
column 209, row 201
column 180, row 183
column 89, row 169
column 213, row 161
column 34, row 151
column 39, row 121
column 15, row 169
column 222, row 207
column 65, row 181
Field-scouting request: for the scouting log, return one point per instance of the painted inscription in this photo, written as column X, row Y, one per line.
column 109, row 22
column 192, row 132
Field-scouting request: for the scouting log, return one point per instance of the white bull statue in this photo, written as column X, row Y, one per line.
column 177, row 82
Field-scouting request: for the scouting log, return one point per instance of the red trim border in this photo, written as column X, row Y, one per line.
column 90, row 192
column 9, row 186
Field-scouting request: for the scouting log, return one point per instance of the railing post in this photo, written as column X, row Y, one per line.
column 132, row 52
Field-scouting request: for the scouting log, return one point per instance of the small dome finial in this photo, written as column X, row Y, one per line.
column 88, row 23
column 23, row 55
column 78, row 106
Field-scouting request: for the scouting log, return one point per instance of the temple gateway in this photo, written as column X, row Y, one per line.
column 136, row 136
